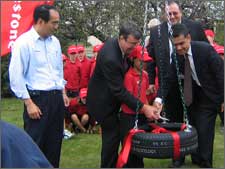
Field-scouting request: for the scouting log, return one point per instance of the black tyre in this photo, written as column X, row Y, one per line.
column 161, row 145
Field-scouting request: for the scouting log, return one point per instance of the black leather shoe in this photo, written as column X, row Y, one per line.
column 176, row 164
column 196, row 162
column 205, row 165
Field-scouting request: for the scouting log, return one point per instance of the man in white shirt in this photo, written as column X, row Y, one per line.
column 36, row 77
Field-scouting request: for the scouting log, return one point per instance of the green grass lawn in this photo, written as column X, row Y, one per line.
column 83, row 150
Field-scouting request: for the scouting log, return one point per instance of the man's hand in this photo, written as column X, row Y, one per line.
column 158, row 105
column 151, row 89
column 66, row 100
column 222, row 107
column 32, row 109
column 150, row 112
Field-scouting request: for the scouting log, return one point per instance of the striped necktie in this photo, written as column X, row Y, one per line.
column 187, row 82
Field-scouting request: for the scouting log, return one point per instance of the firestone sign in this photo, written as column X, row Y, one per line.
column 16, row 18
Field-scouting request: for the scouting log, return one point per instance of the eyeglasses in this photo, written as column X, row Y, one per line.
column 173, row 13
column 132, row 43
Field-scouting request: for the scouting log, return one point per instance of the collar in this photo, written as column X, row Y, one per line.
column 189, row 51
column 34, row 33
column 123, row 54
column 84, row 59
column 74, row 62
column 134, row 72
column 170, row 25
column 36, row 36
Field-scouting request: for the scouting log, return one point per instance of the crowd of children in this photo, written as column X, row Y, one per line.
column 78, row 69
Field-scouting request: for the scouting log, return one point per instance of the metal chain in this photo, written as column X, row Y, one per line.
column 162, row 71
column 141, row 66
column 174, row 58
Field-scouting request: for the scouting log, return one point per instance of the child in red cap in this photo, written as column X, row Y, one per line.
column 131, row 83
column 211, row 36
column 72, row 75
column 96, row 49
column 72, row 72
column 79, row 113
column 85, row 66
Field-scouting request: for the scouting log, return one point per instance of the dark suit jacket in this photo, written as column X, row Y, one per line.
column 106, row 91
column 210, row 70
column 158, row 49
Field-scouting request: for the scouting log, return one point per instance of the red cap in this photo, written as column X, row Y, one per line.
column 64, row 57
column 209, row 32
column 96, row 48
column 219, row 49
column 80, row 48
column 72, row 49
column 83, row 93
column 137, row 53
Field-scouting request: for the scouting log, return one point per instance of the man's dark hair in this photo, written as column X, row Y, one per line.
column 130, row 28
column 169, row 2
column 180, row 29
column 42, row 11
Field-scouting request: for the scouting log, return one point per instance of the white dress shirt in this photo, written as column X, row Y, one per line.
column 36, row 64
column 193, row 70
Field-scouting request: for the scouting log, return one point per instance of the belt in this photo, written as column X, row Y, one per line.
column 39, row 92
column 72, row 91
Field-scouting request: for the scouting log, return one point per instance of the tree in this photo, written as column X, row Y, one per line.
column 101, row 18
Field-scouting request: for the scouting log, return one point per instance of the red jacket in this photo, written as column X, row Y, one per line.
column 131, row 81
column 85, row 68
column 77, row 107
column 72, row 75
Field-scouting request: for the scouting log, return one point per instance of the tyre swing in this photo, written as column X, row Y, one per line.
column 160, row 140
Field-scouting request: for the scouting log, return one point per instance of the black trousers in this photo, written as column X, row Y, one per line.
column 173, row 105
column 110, row 141
column 73, row 94
column 47, row 131
column 221, row 114
column 174, row 110
column 202, row 115
column 127, row 122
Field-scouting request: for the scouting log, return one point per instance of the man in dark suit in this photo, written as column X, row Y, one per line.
column 160, row 48
column 206, row 89
column 106, row 91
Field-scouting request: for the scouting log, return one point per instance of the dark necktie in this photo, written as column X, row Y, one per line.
column 187, row 82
